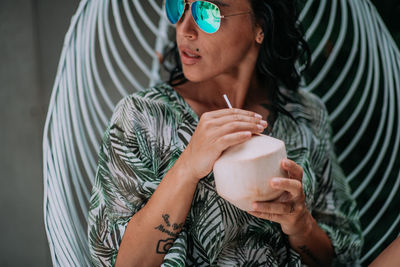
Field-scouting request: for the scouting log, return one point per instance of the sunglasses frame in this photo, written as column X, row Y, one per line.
column 186, row 3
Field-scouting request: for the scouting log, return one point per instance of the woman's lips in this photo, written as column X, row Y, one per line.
column 188, row 57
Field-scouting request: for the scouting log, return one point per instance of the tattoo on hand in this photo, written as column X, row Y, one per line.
column 308, row 252
column 164, row 245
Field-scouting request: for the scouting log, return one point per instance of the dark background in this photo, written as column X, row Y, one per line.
column 31, row 38
column 390, row 12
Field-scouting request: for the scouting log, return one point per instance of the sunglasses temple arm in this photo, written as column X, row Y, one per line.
column 237, row 14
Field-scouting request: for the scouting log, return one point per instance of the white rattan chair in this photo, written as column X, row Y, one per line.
column 109, row 51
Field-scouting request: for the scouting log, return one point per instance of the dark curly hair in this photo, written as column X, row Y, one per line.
column 282, row 47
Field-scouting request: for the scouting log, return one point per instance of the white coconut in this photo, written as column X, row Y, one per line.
column 243, row 172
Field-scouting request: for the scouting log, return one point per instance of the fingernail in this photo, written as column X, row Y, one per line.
column 285, row 163
column 263, row 123
column 260, row 128
column 275, row 181
column 257, row 116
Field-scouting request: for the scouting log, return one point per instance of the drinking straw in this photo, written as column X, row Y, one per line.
column 227, row 101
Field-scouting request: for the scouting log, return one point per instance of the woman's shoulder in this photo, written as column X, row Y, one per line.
column 315, row 106
column 308, row 109
column 157, row 95
column 150, row 102
column 312, row 101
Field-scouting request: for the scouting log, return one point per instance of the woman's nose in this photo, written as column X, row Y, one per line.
column 186, row 27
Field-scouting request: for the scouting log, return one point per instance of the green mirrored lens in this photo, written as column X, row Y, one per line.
column 207, row 16
column 174, row 9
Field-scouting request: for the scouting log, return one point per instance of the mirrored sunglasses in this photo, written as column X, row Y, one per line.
column 207, row 15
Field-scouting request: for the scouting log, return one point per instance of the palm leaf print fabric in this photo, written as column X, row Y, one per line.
column 147, row 133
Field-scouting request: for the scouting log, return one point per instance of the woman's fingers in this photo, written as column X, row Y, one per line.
column 289, row 210
column 240, row 126
column 223, row 120
column 274, row 207
column 294, row 187
column 234, row 121
column 234, row 138
column 294, row 170
column 231, row 111
column 215, row 132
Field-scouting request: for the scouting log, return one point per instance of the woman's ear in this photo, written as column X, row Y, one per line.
column 259, row 34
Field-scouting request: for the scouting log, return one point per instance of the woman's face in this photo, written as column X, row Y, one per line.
column 233, row 47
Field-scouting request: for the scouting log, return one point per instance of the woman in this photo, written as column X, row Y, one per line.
column 389, row 257
column 154, row 200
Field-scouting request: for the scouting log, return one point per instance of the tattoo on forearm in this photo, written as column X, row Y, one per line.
column 162, row 229
column 166, row 219
column 164, row 245
column 174, row 226
column 172, row 230
column 177, row 226
column 308, row 252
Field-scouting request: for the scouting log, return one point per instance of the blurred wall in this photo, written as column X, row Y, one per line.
column 31, row 37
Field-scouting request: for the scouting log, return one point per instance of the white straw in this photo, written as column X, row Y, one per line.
column 227, row 101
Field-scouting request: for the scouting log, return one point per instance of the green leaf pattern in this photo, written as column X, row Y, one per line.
column 147, row 133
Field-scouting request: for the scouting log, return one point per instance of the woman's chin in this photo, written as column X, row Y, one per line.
column 194, row 76
column 197, row 74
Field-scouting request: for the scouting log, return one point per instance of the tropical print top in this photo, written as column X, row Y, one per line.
column 147, row 133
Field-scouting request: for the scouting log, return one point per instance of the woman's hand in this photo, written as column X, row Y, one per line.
column 215, row 132
column 289, row 210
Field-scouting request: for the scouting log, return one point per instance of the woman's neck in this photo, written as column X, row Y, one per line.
column 208, row 96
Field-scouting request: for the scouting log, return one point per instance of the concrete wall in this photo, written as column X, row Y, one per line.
column 31, row 37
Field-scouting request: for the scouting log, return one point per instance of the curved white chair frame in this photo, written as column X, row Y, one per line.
column 109, row 52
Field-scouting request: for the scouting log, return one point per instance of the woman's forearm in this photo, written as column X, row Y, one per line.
column 390, row 257
column 152, row 230
column 313, row 245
